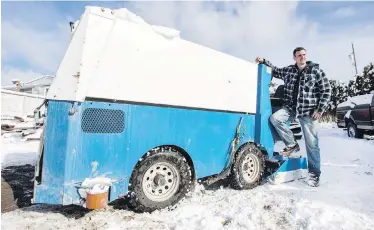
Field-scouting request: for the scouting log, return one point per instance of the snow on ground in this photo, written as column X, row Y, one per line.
column 18, row 151
column 344, row 200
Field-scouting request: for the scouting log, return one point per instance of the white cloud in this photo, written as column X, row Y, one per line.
column 9, row 74
column 42, row 49
column 344, row 12
column 34, row 38
column 269, row 29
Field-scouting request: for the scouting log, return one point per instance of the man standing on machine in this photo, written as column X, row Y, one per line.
column 307, row 92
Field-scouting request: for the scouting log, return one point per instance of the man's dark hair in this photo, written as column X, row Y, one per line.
column 297, row 49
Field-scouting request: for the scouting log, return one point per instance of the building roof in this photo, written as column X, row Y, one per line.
column 45, row 80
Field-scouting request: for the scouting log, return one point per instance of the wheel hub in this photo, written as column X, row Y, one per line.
column 250, row 168
column 160, row 182
column 351, row 131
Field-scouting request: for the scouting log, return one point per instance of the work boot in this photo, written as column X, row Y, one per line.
column 290, row 149
column 313, row 180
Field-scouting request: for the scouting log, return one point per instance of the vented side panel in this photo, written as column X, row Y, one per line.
column 103, row 121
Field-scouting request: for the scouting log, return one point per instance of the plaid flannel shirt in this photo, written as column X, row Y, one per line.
column 314, row 88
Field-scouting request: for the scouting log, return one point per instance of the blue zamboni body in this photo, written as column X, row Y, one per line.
column 126, row 90
column 96, row 138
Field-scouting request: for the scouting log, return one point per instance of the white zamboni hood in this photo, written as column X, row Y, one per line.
column 116, row 55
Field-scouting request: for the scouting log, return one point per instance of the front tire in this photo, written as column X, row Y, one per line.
column 248, row 168
column 160, row 180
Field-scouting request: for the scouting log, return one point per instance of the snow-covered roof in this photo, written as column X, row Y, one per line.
column 40, row 81
column 114, row 54
column 358, row 100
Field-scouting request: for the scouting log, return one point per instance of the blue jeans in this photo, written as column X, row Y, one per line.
column 310, row 133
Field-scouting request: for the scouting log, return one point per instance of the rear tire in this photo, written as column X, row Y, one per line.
column 352, row 131
column 248, row 168
column 160, row 180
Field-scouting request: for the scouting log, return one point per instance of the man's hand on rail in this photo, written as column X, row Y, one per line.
column 259, row 60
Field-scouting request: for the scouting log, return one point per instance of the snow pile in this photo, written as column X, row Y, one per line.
column 260, row 209
column 222, row 209
column 166, row 32
column 98, row 189
column 17, row 152
column 36, row 134
column 90, row 182
column 96, row 185
column 20, row 141
column 357, row 100
column 127, row 15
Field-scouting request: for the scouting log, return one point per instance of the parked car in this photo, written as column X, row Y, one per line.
column 277, row 103
column 357, row 115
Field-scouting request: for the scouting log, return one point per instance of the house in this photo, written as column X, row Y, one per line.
column 38, row 86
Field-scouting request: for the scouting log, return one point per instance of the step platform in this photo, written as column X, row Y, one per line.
column 286, row 169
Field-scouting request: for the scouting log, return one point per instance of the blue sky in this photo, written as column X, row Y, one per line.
column 36, row 34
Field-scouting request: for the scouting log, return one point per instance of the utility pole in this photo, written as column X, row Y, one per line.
column 354, row 58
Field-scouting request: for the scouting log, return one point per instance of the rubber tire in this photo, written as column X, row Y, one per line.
column 236, row 176
column 138, row 200
column 358, row 133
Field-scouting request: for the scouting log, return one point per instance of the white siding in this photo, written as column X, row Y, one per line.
column 19, row 104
